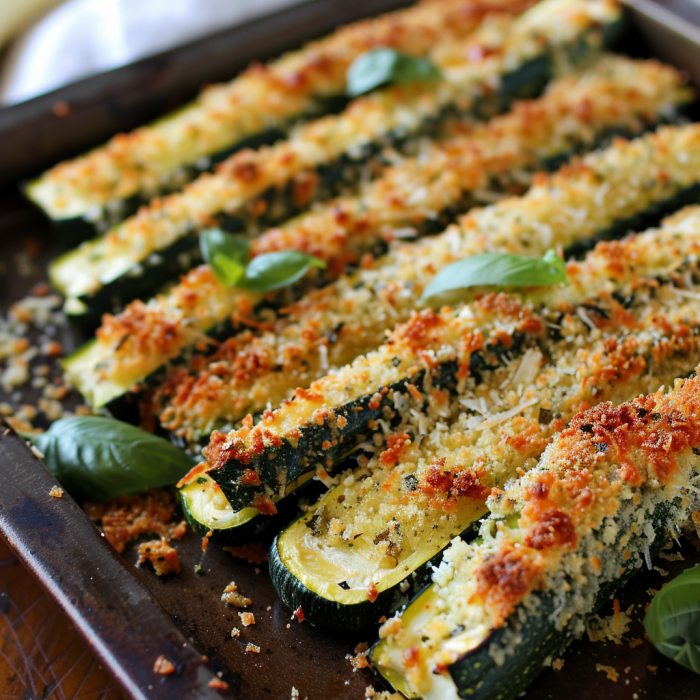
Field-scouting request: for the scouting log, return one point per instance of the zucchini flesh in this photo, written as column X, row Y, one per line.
column 433, row 486
column 273, row 183
column 603, row 497
column 574, row 204
column 102, row 187
column 201, row 291
column 207, row 510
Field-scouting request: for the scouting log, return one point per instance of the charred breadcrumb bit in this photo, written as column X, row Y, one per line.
column 56, row 492
column 247, row 618
column 162, row 556
column 230, row 596
column 253, row 552
column 218, row 684
column 609, row 671
column 252, row 648
column 125, row 518
column 163, row 666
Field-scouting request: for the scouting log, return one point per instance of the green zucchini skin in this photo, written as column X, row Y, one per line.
column 260, row 528
column 290, row 461
column 478, row 677
column 334, row 178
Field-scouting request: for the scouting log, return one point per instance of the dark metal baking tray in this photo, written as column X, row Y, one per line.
column 129, row 616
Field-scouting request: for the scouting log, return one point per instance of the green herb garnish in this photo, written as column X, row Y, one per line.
column 96, row 458
column 229, row 257
column 380, row 67
column 673, row 619
column 500, row 270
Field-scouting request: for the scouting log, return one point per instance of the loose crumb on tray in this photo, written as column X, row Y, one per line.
column 231, row 596
column 56, row 492
column 163, row 666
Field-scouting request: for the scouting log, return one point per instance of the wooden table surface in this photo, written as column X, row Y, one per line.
column 41, row 654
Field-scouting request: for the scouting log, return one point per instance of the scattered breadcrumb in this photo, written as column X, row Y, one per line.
column 609, row 671
column 253, row 552
column 653, row 669
column 673, row 556
column 663, row 572
column 558, row 664
column 611, row 628
column 230, row 596
column 636, row 642
column 247, row 618
column 235, row 632
column 369, row 691
column 404, row 585
column 163, row 666
column 360, row 659
column 218, row 684
column 126, row 518
column 162, row 556
column 254, row 648
column 56, row 492
column 37, row 452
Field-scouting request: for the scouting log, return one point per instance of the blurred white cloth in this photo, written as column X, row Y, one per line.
column 83, row 37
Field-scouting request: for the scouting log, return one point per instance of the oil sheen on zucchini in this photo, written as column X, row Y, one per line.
column 558, row 541
column 207, row 510
column 133, row 344
column 324, row 156
column 348, row 560
column 574, row 205
column 100, row 188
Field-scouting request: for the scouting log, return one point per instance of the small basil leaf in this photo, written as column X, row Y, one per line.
column 499, row 269
column 272, row 271
column 225, row 253
column 673, row 619
column 378, row 67
column 96, row 458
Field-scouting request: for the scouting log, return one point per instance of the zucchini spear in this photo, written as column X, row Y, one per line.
column 132, row 345
column 324, row 156
column 100, row 188
column 375, row 536
column 579, row 202
column 557, row 543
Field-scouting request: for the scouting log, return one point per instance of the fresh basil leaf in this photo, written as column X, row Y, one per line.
column 378, row 67
column 96, row 458
column 271, row 271
column 673, row 619
column 226, row 253
column 499, row 269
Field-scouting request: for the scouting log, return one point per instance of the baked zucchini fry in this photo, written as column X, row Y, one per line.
column 331, row 327
column 420, row 195
column 608, row 191
column 377, row 535
column 134, row 344
column 557, row 543
column 327, row 155
column 207, row 511
column 100, row 188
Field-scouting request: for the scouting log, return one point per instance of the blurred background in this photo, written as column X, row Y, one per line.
column 45, row 44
